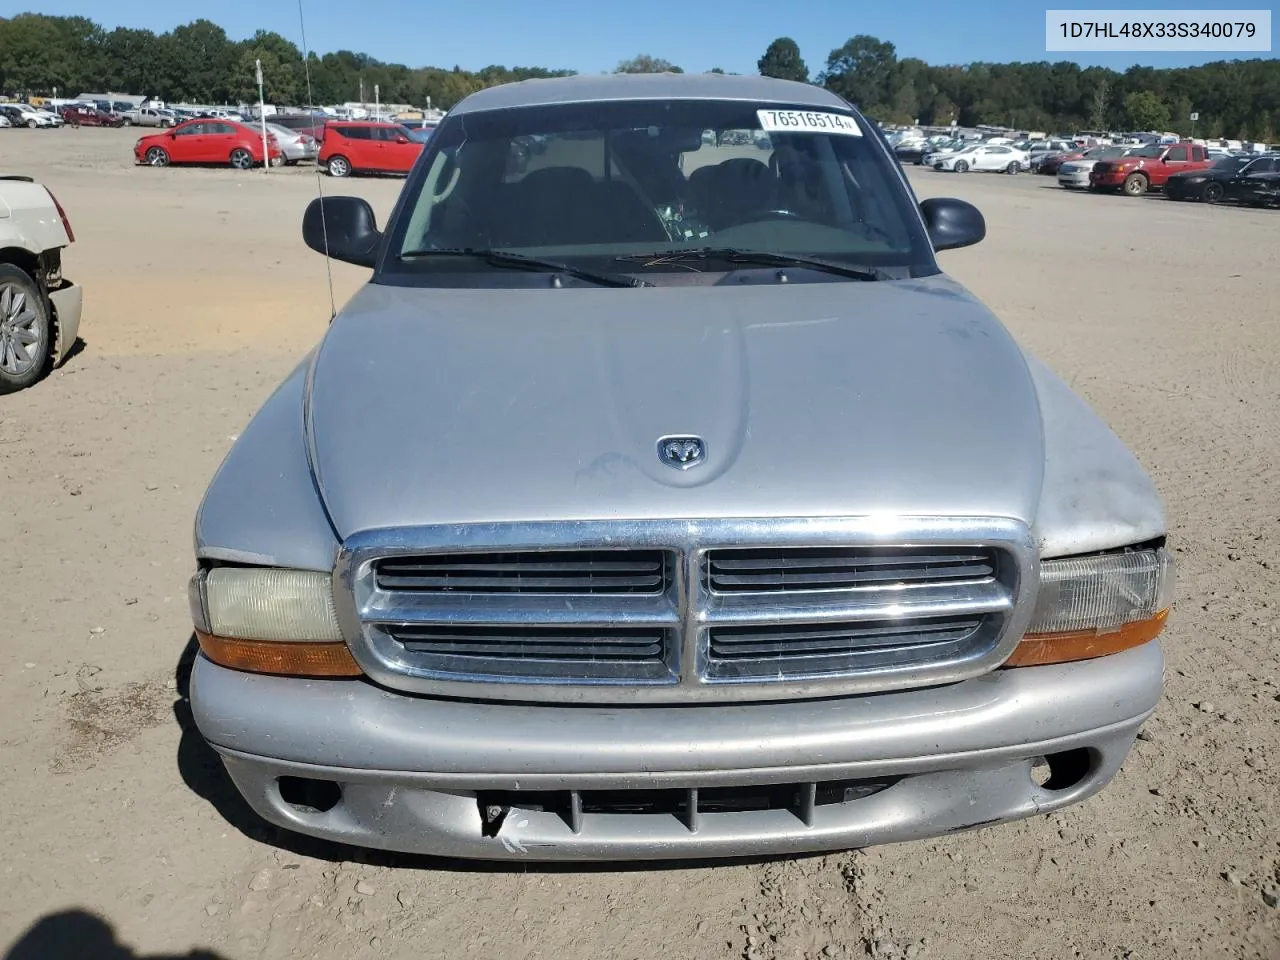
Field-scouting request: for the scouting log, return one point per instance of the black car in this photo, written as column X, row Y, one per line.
column 1253, row 180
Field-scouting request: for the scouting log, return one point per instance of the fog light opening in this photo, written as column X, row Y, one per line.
column 310, row 796
column 1056, row 772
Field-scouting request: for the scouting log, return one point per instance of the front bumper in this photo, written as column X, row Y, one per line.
column 68, row 304
column 409, row 769
column 1108, row 179
column 1078, row 179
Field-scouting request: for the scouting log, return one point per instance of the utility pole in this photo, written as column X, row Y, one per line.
column 377, row 101
column 1194, row 118
column 262, row 116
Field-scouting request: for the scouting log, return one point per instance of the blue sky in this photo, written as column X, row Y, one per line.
column 593, row 35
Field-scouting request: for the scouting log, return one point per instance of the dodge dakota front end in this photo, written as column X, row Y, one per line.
column 660, row 497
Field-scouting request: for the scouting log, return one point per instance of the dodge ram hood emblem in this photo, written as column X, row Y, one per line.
column 682, row 452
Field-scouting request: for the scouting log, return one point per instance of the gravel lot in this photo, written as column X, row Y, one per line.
column 201, row 296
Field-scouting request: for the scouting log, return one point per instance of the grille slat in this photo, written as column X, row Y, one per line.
column 567, row 571
column 786, row 642
column 842, row 568
column 519, row 644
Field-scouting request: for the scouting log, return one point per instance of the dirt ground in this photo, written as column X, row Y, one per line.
column 122, row 834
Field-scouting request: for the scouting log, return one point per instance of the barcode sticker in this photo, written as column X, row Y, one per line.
column 806, row 121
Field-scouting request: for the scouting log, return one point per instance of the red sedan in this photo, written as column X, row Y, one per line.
column 357, row 146
column 207, row 141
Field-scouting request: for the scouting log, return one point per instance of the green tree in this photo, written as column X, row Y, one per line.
column 1144, row 110
column 38, row 53
column 199, row 60
column 283, row 77
column 861, row 71
column 643, row 63
column 782, row 60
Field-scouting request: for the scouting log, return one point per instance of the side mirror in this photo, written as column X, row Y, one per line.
column 344, row 228
column 402, row 139
column 952, row 223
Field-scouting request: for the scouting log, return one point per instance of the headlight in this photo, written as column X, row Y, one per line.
column 268, row 620
column 1093, row 606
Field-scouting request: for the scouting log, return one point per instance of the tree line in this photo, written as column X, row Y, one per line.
column 199, row 63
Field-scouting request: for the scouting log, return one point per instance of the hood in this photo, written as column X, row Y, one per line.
column 455, row 406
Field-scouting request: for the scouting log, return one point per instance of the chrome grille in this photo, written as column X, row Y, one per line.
column 564, row 571
column 841, row 568
column 685, row 610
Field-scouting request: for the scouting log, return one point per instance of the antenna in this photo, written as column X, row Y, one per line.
column 311, row 110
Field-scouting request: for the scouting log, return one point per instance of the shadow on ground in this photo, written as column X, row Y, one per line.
column 79, row 935
column 202, row 771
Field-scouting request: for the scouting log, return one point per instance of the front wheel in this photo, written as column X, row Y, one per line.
column 339, row 166
column 1135, row 185
column 157, row 157
column 1013, row 167
column 962, row 166
column 126, row 122
column 24, row 330
column 31, row 124
column 1212, row 192
column 241, row 159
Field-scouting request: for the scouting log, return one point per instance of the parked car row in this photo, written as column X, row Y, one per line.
column 1183, row 171
column 343, row 147
column 25, row 115
column 350, row 147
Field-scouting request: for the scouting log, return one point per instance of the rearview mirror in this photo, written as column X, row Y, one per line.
column 952, row 223
column 344, row 228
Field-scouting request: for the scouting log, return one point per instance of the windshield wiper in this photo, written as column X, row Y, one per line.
column 500, row 258
column 763, row 257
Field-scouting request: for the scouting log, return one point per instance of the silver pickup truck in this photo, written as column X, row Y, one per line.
column 660, row 496
column 150, row 117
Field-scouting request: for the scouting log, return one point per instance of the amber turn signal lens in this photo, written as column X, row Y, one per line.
column 1039, row 649
column 282, row 658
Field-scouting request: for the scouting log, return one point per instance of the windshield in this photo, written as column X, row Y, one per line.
column 590, row 183
column 1148, row 152
column 1230, row 164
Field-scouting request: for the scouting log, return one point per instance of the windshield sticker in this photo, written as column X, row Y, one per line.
column 804, row 121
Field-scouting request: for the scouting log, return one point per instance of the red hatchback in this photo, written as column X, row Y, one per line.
column 207, row 141
column 352, row 146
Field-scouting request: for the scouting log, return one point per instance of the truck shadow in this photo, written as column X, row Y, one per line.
column 202, row 771
column 80, row 935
